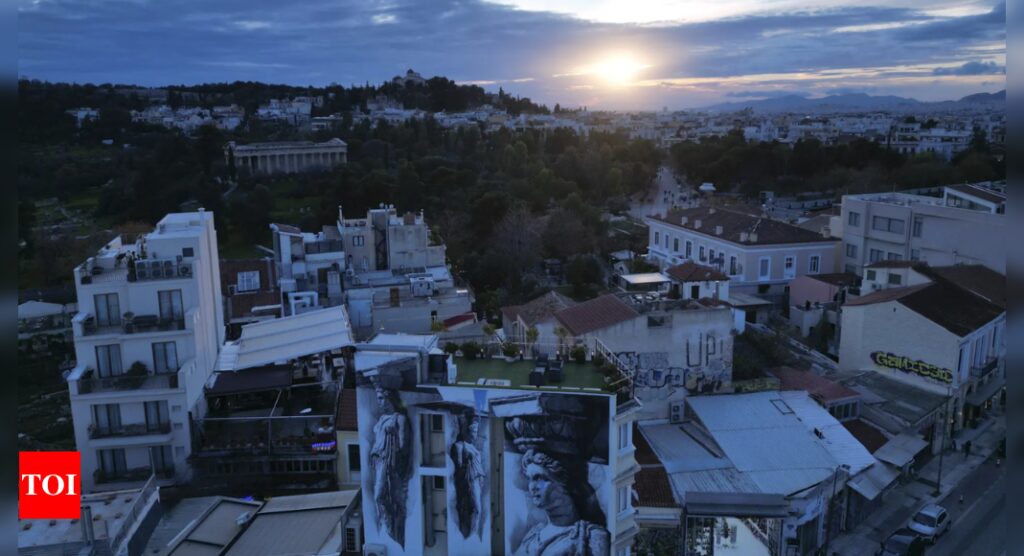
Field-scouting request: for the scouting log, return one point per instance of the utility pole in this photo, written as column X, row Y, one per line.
column 942, row 444
column 831, row 509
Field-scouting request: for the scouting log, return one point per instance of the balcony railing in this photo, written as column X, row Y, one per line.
column 89, row 384
column 131, row 475
column 133, row 325
column 983, row 371
column 137, row 429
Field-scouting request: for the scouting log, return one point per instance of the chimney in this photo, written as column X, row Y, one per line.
column 696, row 224
column 718, row 230
column 753, row 238
column 410, row 219
column 684, row 220
column 744, row 236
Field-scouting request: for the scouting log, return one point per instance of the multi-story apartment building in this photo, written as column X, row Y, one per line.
column 389, row 270
column 147, row 335
column 758, row 254
column 469, row 456
column 938, row 230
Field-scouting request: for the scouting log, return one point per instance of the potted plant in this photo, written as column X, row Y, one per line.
column 579, row 354
column 451, row 347
column 510, row 351
column 470, row 349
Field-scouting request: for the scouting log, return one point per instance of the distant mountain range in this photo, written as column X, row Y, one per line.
column 860, row 102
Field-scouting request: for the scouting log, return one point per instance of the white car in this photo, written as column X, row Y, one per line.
column 930, row 522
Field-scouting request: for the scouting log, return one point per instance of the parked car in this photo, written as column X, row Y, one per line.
column 930, row 522
column 903, row 542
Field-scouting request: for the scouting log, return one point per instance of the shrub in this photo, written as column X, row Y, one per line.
column 451, row 347
column 470, row 349
column 579, row 353
column 597, row 360
column 138, row 368
column 509, row 350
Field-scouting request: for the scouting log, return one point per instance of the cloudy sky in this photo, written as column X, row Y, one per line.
column 600, row 53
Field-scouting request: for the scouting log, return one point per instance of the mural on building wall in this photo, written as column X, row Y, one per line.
column 556, row 441
column 707, row 368
column 469, row 473
column 391, row 461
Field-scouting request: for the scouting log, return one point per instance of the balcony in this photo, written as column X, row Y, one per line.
column 131, row 475
column 132, row 324
column 135, row 429
column 984, row 370
column 90, row 383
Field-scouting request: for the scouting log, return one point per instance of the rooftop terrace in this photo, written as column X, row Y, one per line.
column 581, row 377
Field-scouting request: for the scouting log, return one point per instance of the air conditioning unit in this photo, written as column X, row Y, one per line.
column 675, row 413
column 185, row 270
column 155, row 270
column 375, row 550
column 142, row 270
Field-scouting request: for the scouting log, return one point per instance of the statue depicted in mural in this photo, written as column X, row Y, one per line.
column 469, row 474
column 390, row 461
column 575, row 522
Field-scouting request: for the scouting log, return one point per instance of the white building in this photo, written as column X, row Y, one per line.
column 288, row 157
column 759, row 255
column 938, row 230
column 938, row 329
column 455, row 460
column 147, row 335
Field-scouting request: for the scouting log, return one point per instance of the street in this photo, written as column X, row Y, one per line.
column 664, row 193
column 982, row 530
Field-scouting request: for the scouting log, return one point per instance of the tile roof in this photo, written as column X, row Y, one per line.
column 693, row 272
column 869, row 436
column 953, row 308
column 977, row 279
column 820, row 388
column 598, row 313
column 892, row 264
column 346, row 419
column 765, row 231
column 883, row 296
column 837, row 278
column 653, row 488
column 539, row 309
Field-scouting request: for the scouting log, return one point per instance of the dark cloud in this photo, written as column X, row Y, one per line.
column 972, row 68
column 159, row 42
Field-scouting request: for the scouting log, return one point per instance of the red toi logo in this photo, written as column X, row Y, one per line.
column 50, row 485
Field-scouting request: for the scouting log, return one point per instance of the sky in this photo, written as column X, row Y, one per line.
column 602, row 54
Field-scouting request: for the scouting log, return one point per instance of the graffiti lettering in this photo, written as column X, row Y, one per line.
column 912, row 366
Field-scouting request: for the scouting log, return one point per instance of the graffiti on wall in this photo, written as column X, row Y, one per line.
column 556, row 439
column 706, row 370
column 391, row 462
column 912, row 366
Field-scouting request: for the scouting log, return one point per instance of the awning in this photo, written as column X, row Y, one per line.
column 873, row 480
column 901, row 450
column 272, row 377
column 736, row 504
column 985, row 392
column 278, row 340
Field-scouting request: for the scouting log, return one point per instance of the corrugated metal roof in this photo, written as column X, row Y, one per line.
column 286, row 338
column 901, row 450
column 874, row 481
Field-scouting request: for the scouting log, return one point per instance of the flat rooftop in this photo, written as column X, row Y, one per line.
column 496, row 373
column 109, row 515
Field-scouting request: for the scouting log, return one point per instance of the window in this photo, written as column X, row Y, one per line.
column 884, row 224
column 894, row 257
column 112, row 462
column 851, row 250
column 689, row 249
column 187, row 252
column 163, row 460
column 789, row 266
column 350, row 540
column 437, row 423
column 814, row 265
column 170, row 305
column 666, row 241
column 764, row 267
column 106, row 418
column 711, row 255
column 359, row 241
column 915, row 229
column 156, row 416
column 675, row 244
column 854, row 218
column 869, row 275
column 108, row 309
column 624, row 502
column 108, row 360
column 248, row 281
column 894, row 279
column 625, row 434
column 915, row 255
column 165, row 357
column 732, row 266
column 354, row 463
column 702, row 254
column 657, row 238
column 875, row 255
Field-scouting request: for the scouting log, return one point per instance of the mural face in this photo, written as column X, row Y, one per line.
column 391, row 462
column 469, row 474
column 557, row 442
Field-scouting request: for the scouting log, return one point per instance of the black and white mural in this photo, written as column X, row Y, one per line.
column 469, row 472
column 557, row 468
column 390, row 459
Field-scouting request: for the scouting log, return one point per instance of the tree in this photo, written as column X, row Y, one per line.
column 583, row 272
column 517, row 236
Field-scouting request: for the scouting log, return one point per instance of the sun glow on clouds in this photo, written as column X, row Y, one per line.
column 615, row 69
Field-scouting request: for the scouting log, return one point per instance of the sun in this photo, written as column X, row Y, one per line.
column 618, row 70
